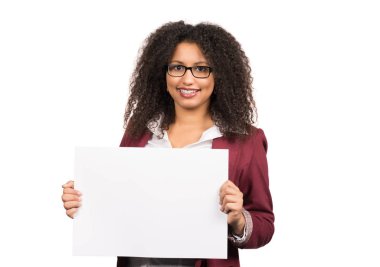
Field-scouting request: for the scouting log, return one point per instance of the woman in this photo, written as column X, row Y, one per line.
column 192, row 88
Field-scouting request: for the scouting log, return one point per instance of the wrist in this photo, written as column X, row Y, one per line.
column 238, row 225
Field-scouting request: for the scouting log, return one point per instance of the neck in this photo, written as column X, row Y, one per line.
column 193, row 118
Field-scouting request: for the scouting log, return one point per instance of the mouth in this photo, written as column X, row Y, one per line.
column 188, row 92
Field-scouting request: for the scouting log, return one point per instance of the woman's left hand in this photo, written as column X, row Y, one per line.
column 231, row 201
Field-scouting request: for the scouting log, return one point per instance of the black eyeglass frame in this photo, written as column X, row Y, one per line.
column 191, row 70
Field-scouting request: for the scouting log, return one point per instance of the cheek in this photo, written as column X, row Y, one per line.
column 209, row 85
column 170, row 83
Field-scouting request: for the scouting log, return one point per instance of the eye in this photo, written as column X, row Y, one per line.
column 175, row 67
column 201, row 68
column 178, row 67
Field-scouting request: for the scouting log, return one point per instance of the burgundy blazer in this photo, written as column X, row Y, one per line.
column 248, row 169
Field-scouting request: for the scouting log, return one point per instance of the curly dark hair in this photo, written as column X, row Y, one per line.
column 232, row 107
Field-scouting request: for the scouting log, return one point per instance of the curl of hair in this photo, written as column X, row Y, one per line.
column 232, row 107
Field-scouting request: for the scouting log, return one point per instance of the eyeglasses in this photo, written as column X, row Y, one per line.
column 201, row 72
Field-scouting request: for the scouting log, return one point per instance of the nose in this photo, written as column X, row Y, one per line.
column 188, row 77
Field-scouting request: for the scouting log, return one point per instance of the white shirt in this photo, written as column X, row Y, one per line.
column 204, row 142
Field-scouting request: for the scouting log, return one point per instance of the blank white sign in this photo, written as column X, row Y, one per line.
column 150, row 202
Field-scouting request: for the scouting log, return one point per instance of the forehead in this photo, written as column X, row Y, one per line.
column 189, row 53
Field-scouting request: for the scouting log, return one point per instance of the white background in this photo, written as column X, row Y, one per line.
column 64, row 73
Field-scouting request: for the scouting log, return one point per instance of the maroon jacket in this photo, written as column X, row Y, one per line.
column 248, row 169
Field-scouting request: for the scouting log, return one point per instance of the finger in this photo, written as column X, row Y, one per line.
column 71, row 212
column 229, row 199
column 71, row 204
column 221, row 192
column 70, row 197
column 223, row 186
column 232, row 185
column 69, row 184
column 230, row 191
column 237, row 198
column 232, row 207
column 71, row 191
column 228, row 184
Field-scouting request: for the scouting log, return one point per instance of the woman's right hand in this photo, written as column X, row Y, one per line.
column 71, row 199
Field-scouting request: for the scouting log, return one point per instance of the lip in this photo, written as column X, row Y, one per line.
column 193, row 92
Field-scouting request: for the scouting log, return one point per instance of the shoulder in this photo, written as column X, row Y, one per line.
column 252, row 146
column 256, row 136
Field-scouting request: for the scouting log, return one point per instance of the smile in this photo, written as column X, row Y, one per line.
column 188, row 93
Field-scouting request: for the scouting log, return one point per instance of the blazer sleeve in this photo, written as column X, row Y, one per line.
column 254, row 183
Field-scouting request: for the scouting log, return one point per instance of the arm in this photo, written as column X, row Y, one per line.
column 246, row 197
column 254, row 182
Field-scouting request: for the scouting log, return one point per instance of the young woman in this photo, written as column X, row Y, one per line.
column 192, row 88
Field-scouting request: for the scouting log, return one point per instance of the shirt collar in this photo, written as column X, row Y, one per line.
column 209, row 134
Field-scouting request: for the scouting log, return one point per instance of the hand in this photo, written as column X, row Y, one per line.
column 71, row 199
column 231, row 201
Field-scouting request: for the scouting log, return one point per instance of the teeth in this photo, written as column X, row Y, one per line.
column 188, row 92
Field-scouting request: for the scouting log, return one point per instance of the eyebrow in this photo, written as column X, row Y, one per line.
column 196, row 63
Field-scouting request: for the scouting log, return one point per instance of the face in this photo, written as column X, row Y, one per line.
column 188, row 92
